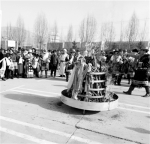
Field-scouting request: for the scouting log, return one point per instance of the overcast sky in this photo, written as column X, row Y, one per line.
column 67, row 13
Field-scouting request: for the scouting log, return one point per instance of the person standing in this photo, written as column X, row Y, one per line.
column 7, row 55
column 50, row 53
column 91, row 58
column 63, row 57
column 78, row 55
column 132, row 64
column 70, row 64
column 2, row 65
column 54, row 63
column 35, row 64
column 122, row 68
column 45, row 63
column 141, row 73
column 59, row 55
column 28, row 64
column 24, row 54
column 33, row 51
column 20, row 61
column 13, row 57
column 116, row 61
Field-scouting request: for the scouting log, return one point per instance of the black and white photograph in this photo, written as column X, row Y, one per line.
column 74, row 72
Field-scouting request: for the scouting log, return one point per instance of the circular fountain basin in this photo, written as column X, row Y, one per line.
column 91, row 106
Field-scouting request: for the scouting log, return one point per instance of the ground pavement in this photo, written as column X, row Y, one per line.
column 31, row 112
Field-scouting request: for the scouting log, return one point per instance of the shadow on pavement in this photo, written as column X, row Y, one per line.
column 139, row 130
column 50, row 103
column 126, row 94
column 58, row 79
column 61, row 85
column 49, row 78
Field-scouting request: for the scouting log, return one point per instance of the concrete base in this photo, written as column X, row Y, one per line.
column 91, row 106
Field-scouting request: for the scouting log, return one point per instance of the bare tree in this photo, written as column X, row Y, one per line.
column 9, row 32
column 70, row 34
column 54, row 32
column 49, row 35
column 107, row 34
column 121, row 36
column 142, row 34
column 103, row 35
column 29, row 39
column 81, row 32
column 69, row 37
column 87, row 29
column 103, row 32
column 111, row 35
column 20, row 32
column 132, row 30
column 90, row 28
column 61, row 36
column 40, row 30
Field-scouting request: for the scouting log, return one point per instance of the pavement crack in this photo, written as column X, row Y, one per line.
column 108, row 135
column 75, row 129
column 71, row 136
column 78, row 122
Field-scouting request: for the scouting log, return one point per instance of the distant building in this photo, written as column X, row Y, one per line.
column 55, row 46
column 125, row 45
column 69, row 45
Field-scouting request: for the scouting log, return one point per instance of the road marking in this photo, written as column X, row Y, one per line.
column 34, row 93
column 40, row 91
column 24, row 136
column 135, row 106
column 84, row 140
column 134, row 110
column 12, row 89
column 45, row 129
column 34, row 126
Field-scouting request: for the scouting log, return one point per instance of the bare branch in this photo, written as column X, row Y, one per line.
column 142, row 34
column 70, row 34
column 87, row 29
column 40, row 29
column 20, row 31
column 132, row 30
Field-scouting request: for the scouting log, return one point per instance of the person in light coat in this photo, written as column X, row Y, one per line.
column 4, row 61
column 63, row 57
column 45, row 63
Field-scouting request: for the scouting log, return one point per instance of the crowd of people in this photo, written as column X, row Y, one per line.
column 27, row 63
column 134, row 65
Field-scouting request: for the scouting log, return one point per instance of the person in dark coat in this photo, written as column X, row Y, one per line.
column 141, row 77
column 20, row 61
column 54, row 63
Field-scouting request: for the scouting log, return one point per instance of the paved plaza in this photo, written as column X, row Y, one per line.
column 31, row 112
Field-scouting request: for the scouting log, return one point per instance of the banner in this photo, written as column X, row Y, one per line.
column 11, row 43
